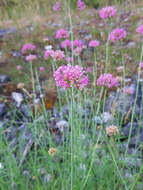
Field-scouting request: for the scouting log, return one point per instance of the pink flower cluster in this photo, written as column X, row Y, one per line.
column 140, row 29
column 107, row 12
column 117, row 34
column 112, row 130
column 57, row 6
column 30, row 57
column 80, row 5
column 141, row 65
column 67, row 76
column 57, row 55
column 62, row 33
column 93, row 43
column 27, row 47
column 107, row 80
column 66, row 44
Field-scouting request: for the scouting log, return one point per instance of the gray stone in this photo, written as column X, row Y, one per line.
column 130, row 126
column 17, row 97
column 62, row 126
column 4, row 79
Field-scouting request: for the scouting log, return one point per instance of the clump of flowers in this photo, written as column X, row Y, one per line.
column 77, row 51
column 28, row 47
column 80, row 5
column 111, row 130
column 30, row 57
column 67, row 76
column 117, row 34
column 19, row 67
column 57, row 6
column 48, row 53
column 68, row 59
column 66, row 44
column 42, row 68
column 140, row 29
column 107, row 80
column 93, row 43
column 128, row 91
column 62, row 33
column 107, row 12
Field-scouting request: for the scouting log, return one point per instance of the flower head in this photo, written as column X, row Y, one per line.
column 67, row 76
column 52, row 151
column 68, row 59
column 111, row 130
column 107, row 80
column 28, row 47
column 30, row 57
column 78, row 43
column 77, row 51
column 19, row 67
column 66, row 44
column 93, row 43
column 140, row 29
column 57, row 6
column 48, row 54
column 117, row 34
column 128, row 91
column 42, row 68
column 141, row 65
column 80, row 5
column 58, row 55
column 107, row 12
column 62, row 33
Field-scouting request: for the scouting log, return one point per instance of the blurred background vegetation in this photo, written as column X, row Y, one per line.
column 13, row 9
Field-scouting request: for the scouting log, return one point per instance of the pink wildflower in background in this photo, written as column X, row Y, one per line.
column 42, row 68
column 111, row 130
column 68, row 59
column 129, row 91
column 80, row 5
column 93, row 43
column 30, row 57
column 107, row 12
column 48, row 54
column 141, row 65
column 117, row 34
column 57, row 6
column 19, row 67
column 120, row 69
column 27, row 47
column 62, row 33
column 66, row 44
column 107, row 80
column 67, row 76
column 140, row 29
column 58, row 55
column 77, row 43
column 77, row 51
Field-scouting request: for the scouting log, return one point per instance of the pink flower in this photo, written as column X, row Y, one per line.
column 48, row 54
column 62, row 33
column 42, row 68
column 66, row 44
column 30, row 57
column 80, row 5
column 67, row 76
column 77, row 51
column 107, row 12
column 129, row 91
column 117, row 34
column 140, row 29
column 120, row 69
column 93, row 43
column 19, row 67
column 77, row 43
column 57, row 6
column 141, row 65
column 58, row 55
column 27, row 47
column 107, row 80
column 68, row 59
column 111, row 130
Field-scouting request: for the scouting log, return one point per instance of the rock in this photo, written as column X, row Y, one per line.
column 106, row 116
column 26, row 110
column 97, row 120
column 2, row 109
column 136, row 141
column 4, row 79
column 17, row 97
